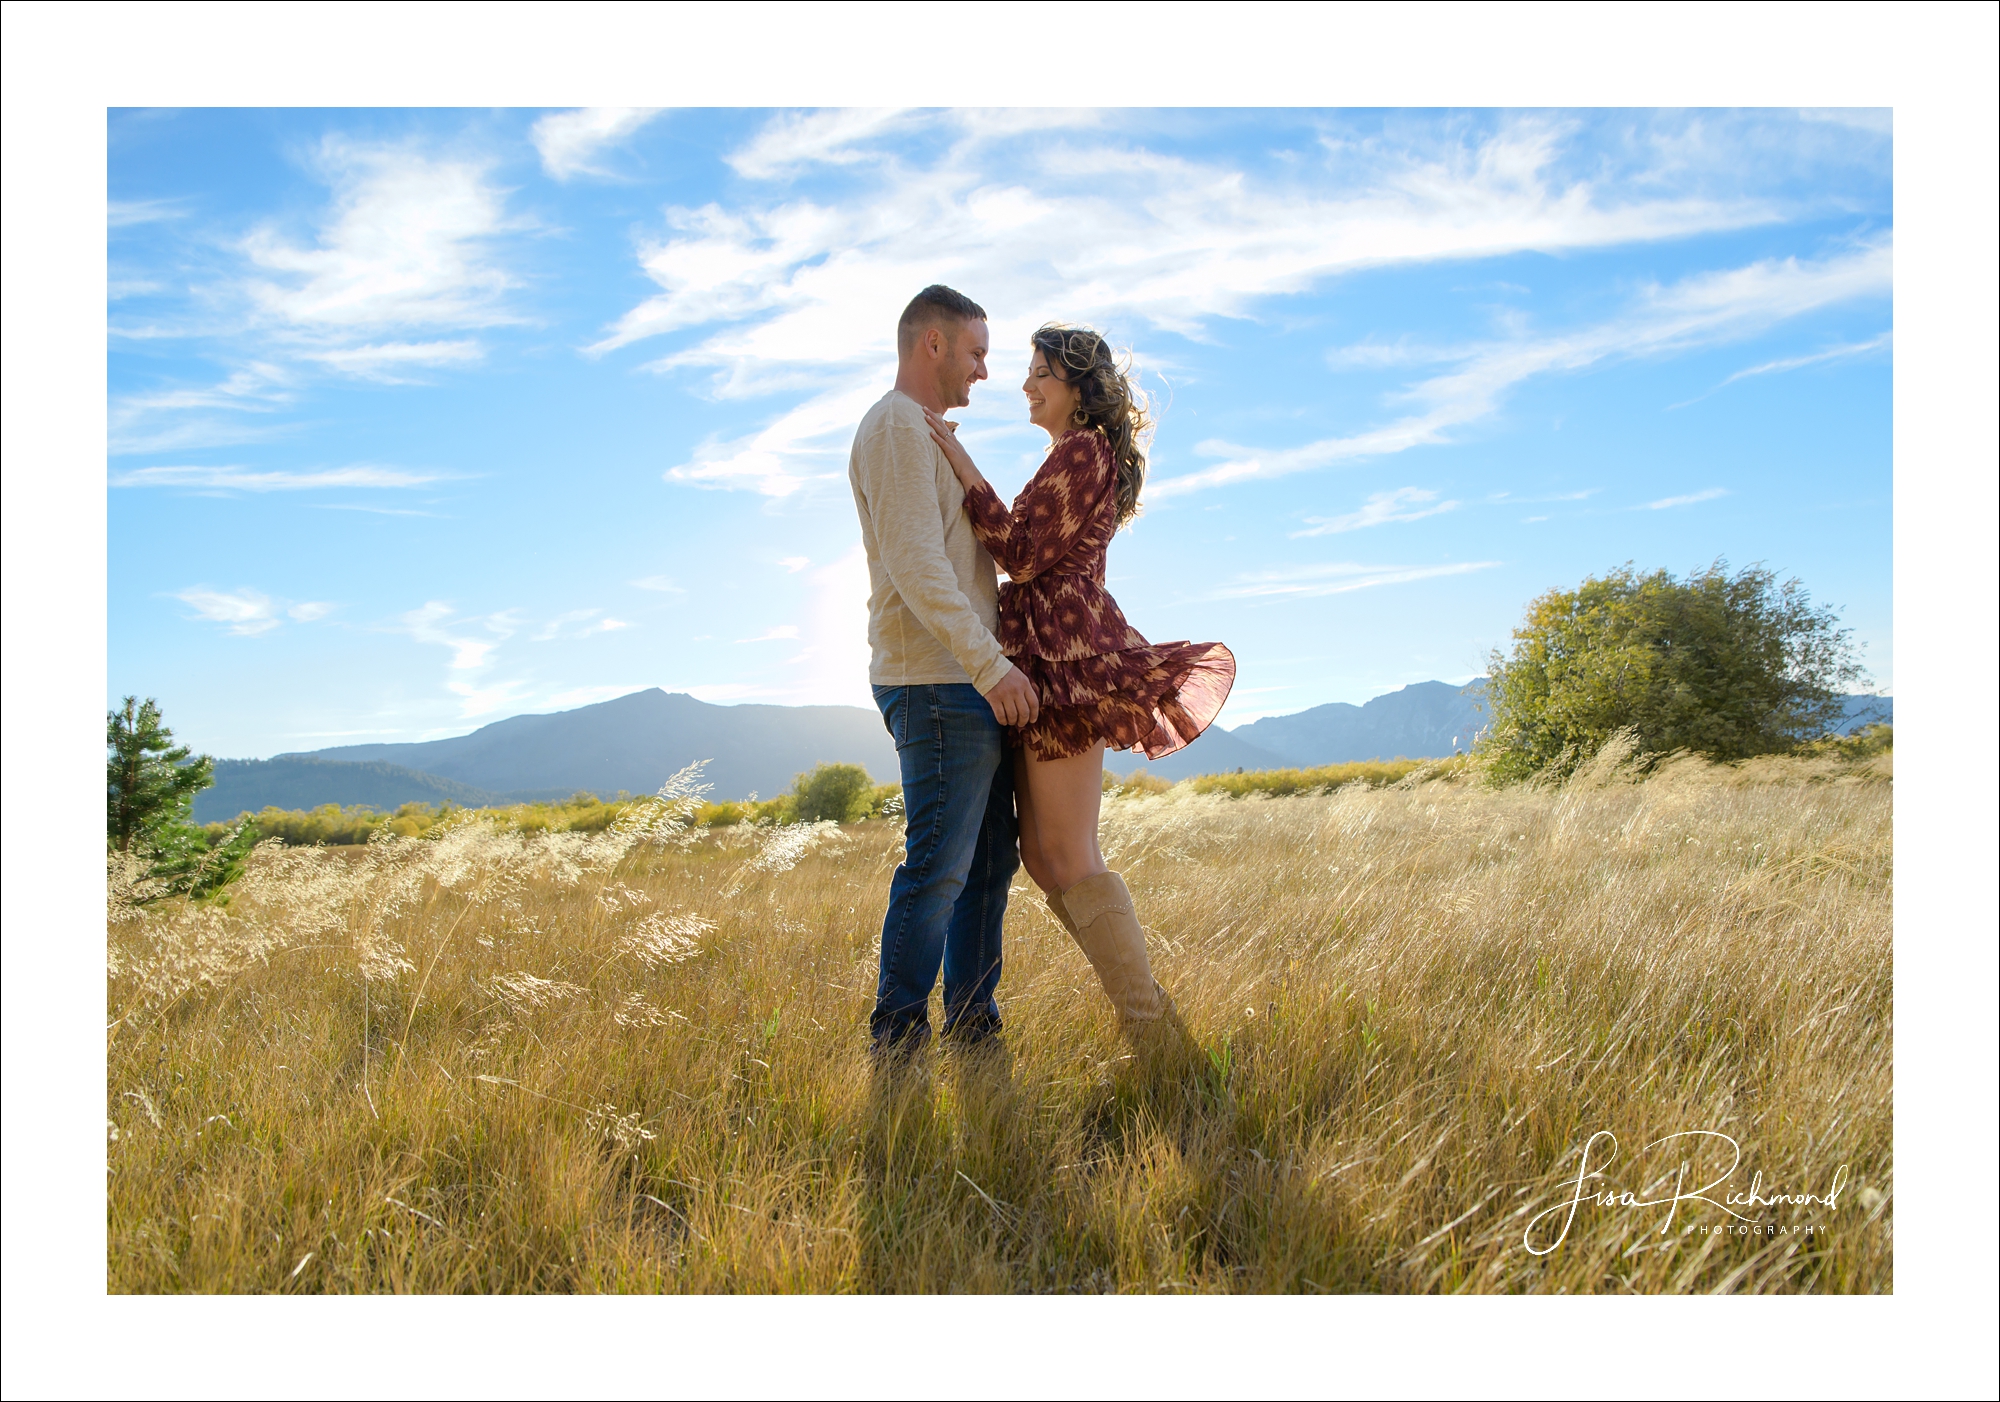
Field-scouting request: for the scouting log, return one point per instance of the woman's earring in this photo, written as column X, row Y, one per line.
column 1079, row 418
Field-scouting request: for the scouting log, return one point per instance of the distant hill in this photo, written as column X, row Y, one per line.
column 637, row 742
column 1216, row 751
column 298, row 781
column 1425, row 720
column 1858, row 711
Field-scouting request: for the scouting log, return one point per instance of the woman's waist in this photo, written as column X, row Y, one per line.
column 1048, row 600
column 1052, row 582
column 1062, row 626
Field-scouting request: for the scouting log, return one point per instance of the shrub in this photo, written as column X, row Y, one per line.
column 840, row 792
column 1286, row 783
column 779, row 810
column 1283, row 783
column 1726, row 666
column 329, row 823
column 1133, row 784
column 1865, row 743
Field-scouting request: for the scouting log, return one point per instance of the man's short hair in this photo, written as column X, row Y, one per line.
column 936, row 303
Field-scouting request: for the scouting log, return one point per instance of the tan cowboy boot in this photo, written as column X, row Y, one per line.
column 1054, row 901
column 1100, row 916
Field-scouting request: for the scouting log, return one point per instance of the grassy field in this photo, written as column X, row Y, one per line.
column 633, row 1060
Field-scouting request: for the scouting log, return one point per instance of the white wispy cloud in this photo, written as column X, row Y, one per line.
column 792, row 564
column 772, row 635
column 1314, row 581
column 1175, row 242
column 570, row 143
column 123, row 214
column 658, row 583
column 1378, row 355
column 1513, row 500
column 256, row 386
column 249, row 612
column 192, row 434
column 475, row 642
column 791, row 292
column 795, row 139
column 1841, row 352
column 841, row 136
column 1706, row 494
column 805, row 444
column 391, row 362
column 242, row 479
column 246, row 611
column 470, row 650
column 554, row 627
column 565, row 625
column 408, row 242
column 163, row 420
column 1403, row 504
column 1705, row 309
column 1877, row 121
column 376, row 510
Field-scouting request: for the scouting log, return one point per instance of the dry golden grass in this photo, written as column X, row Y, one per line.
column 634, row 1060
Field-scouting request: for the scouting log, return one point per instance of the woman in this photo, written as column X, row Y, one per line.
column 1100, row 683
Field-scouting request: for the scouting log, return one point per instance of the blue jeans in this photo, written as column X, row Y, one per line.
column 960, row 853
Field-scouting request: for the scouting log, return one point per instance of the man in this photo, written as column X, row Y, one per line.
column 944, row 687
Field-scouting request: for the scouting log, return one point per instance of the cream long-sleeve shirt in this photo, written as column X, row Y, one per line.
column 933, row 594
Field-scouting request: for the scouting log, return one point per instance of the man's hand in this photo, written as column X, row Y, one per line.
column 1013, row 699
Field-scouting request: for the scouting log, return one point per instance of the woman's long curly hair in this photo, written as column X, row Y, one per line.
column 1108, row 402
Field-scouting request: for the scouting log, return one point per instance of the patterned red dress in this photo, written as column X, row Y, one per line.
column 1098, row 679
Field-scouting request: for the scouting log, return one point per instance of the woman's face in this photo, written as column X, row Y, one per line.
column 1051, row 402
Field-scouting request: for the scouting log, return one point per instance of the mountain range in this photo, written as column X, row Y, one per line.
column 1424, row 720
column 635, row 743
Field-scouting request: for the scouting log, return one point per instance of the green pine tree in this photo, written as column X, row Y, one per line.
column 150, row 781
column 150, row 784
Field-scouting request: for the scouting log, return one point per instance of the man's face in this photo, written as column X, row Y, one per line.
column 963, row 362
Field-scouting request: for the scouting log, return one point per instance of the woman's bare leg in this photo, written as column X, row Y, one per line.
column 1058, row 800
column 1031, row 845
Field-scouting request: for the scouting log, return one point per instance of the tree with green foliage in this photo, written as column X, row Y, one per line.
column 150, row 781
column 841, row 792
column 188, row 861
column 150, row 784
column 1724, row 665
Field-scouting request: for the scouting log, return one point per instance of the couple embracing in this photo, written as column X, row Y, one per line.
column 1002, row 698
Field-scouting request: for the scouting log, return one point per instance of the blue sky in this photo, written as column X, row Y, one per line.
column 419, row 419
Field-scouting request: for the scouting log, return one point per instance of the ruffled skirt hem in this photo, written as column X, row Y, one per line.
column 1155, row 699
